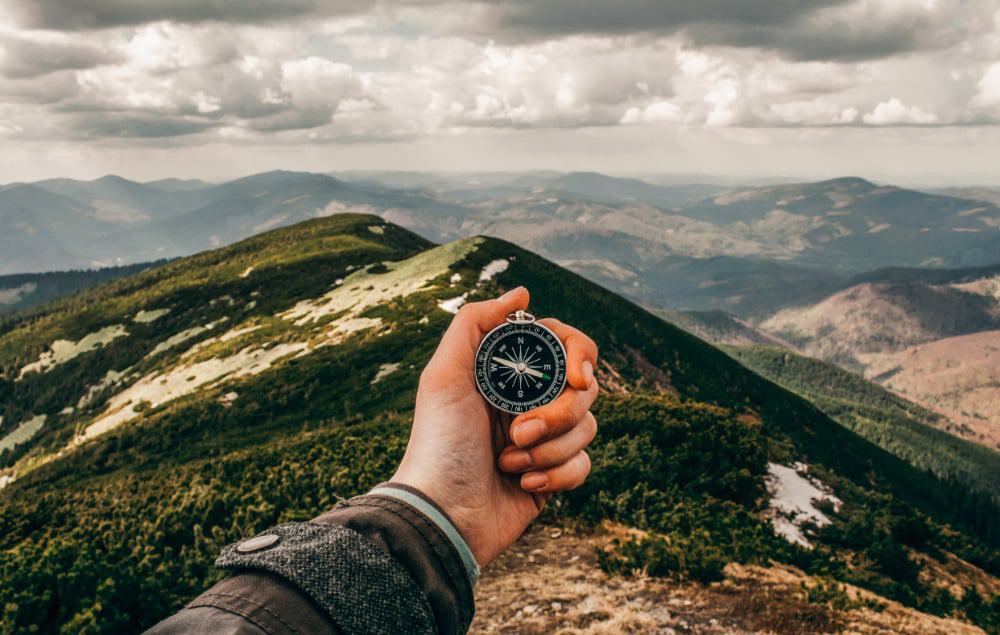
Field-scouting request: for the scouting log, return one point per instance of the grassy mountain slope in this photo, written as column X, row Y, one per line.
column 212, row 396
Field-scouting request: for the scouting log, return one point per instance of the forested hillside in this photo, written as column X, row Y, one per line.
column 150, row 420
column 21, row 291
column 906, row 429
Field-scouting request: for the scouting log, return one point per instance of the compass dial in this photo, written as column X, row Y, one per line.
column 520, row 367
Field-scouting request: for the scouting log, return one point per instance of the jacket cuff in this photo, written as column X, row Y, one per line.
column 356, row 583
column 414, row 532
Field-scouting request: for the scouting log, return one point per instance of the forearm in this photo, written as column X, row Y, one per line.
column 374, row 563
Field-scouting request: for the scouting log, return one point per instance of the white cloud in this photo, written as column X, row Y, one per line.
column 894, row 113
column 656, row 112
column 988, row 95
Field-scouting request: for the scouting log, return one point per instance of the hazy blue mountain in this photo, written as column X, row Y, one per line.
column 982, row 193
column 852, row 224
column 119, row 200
column 178, row 185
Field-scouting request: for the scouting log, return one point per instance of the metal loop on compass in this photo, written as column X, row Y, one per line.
column 520, row 317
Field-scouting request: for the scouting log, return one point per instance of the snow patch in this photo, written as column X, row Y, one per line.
column 493, row 268
column 228, row 398
column 145, row 317
column 247, row 272
column 452, row 305
column 22, row 433
column 64, row 350
column 156, row 389
column 111, row 377
column 231, row 334
column 384, row 371
column 362, row 289
column 180, row 338
column 455, row 277
column 376, row 229
column 793, row 500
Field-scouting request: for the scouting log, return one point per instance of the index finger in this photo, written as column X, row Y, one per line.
column 579, row 349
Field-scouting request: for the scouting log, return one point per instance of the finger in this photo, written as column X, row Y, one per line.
column 581, row 353
column 553, row 419
column 567, row 476
column 550, row 453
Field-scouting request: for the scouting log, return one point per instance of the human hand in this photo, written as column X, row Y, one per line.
column 459, row 454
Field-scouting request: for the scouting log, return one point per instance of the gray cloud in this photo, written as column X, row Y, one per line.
column 131, row 125
column 22, row 58
column 542, row 19
column 799, row 29
column 71, row 15
column 302, row 119
column 805, row 43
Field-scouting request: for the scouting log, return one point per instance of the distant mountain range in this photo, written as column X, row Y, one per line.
column 629, row 233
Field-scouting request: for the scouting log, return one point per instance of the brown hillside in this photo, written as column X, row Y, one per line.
column 958, row 376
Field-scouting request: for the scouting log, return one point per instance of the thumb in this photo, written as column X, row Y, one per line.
column 476, row 319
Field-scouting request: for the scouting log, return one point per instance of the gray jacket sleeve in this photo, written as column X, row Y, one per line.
column 390, row 561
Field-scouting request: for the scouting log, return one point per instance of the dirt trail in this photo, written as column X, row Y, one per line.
column 550, row 583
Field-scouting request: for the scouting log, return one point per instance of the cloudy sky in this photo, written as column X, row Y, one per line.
column 896, row 90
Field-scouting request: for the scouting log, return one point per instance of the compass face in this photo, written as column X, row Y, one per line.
column 520, row 367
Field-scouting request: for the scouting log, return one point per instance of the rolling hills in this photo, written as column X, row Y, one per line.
column 153, row 418
column 929, row 335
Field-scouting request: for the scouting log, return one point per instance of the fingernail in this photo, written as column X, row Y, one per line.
column 534, row 481
column 507, row 295
column 588, row 372
column 527, row 432
column 516, row 460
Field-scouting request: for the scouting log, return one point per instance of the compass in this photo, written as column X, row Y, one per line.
column 520, row 365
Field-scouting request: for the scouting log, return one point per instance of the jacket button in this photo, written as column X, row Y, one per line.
column 258, row 543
